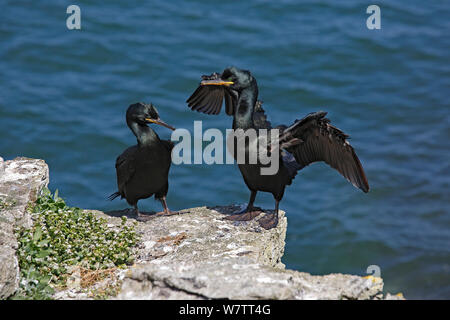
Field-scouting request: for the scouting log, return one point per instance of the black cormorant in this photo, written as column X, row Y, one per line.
column 308, row 140
column 143, row 170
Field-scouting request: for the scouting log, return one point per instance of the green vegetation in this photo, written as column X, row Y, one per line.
column 5, row 203
column 63, row 237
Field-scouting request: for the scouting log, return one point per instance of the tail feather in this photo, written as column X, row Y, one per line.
column 113, row 196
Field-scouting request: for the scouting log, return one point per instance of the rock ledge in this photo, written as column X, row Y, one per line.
column 193, row 255
column 199, row 255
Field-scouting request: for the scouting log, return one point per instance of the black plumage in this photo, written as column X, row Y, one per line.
column 308, row 140
column 143, row 170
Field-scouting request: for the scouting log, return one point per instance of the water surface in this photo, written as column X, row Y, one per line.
column 63, row 95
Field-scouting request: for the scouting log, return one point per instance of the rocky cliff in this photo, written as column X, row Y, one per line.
column 194, row 255
column 21, row 181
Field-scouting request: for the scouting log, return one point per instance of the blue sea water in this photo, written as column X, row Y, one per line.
column 63, row 96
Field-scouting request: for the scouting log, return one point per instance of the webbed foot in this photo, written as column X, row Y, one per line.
column 167, row 213
column 269, row 221
column 244, row 216
column 142, row 216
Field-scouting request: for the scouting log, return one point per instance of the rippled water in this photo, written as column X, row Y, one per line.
column 63, row 95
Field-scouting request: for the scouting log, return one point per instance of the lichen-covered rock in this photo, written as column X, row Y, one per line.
column 199, row 255
column 21, row 181
column 9, row 266
column 193, row 255
column 2, row 167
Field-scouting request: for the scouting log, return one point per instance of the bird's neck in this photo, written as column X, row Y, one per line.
column 243, row 117
column 144, row 134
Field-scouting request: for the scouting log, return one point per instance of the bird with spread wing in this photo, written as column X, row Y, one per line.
column 308, row 140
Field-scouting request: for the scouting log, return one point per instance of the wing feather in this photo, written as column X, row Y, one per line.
column 320, row 141
column 125, row 169
column 209, row 99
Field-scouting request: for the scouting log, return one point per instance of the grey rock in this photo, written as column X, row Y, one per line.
column 199, row 255
column 9, row 266
column 21, row 182
column 193, row 255
column 2, row 167
column 398, row 296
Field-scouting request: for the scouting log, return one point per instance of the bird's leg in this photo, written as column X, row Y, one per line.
column 248, row 213
column 136, row 210
column 139, row 215
column 167, row 211
column 270, row 220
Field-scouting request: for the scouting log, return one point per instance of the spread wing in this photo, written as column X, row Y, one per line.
column 313, row 139
column 209, row 99
column 125, row 168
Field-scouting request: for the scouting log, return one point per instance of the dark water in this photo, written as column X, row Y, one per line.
column 63, row 95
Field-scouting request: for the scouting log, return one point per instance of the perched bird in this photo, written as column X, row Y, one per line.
column 308, row 140
column 143, row 170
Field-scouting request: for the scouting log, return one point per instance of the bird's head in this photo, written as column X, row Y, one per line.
column 143, row 114
column 232, row 77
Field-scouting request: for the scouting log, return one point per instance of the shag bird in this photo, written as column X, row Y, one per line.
column 308, row 140
column 143, row 170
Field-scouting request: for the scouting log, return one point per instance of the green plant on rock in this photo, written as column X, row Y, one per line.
column 62, row 237
column 6, row 203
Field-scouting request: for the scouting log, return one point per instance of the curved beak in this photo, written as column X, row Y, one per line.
column 216, row 82
column 160, row 122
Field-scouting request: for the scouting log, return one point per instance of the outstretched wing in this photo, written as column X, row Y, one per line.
column 313, row 139
column 125, row 169
column 209, row 99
